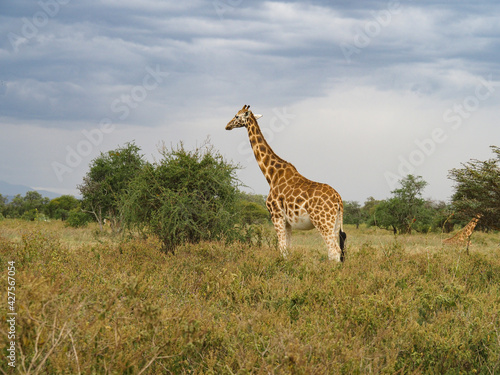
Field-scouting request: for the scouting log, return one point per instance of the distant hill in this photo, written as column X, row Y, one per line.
column 10, row 190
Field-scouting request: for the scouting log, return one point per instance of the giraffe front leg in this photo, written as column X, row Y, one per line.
column 283, row 230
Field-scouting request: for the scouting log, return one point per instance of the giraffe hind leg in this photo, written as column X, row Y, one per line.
column 335, row 252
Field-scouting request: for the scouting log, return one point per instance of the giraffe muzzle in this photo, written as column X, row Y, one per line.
column 231, row 125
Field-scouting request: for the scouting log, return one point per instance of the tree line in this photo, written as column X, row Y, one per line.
column 33, row 206
column 189, row 196
column 476, row 191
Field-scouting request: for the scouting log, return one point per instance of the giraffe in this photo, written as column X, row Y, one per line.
column 463, row 236
column 294, row 202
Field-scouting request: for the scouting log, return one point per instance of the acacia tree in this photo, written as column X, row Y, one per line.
column 27, row 207
column 477, row 189
column 60, row 207
column 107, row 180
column 352, row 213
column 3, row 206
column 34, row 204
column 187, row 196
column 406, row 209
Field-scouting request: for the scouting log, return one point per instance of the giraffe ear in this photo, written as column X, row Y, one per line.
column 257, row 116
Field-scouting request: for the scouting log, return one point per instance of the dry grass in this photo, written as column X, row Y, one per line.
column 90, row 303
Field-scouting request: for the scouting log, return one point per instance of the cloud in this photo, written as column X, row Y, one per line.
column 294, row 45
column 382, row 72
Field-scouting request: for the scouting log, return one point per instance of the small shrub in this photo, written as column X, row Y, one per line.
column 42, row 250
column 78, row 219
column 30, row 215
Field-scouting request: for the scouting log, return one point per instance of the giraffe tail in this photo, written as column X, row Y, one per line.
column 342, row 235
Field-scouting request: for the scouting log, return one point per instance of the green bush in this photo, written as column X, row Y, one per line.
column 59, row 208
column 106, row 181
column 30, row 215
column 78, row 218
column 252, row 213
column 187, row 196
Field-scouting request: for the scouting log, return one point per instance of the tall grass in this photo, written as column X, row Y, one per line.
column 93, row 304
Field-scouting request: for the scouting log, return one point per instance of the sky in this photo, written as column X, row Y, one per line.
column 356, row 94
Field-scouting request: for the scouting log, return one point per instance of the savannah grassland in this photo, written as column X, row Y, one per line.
column 92, row 303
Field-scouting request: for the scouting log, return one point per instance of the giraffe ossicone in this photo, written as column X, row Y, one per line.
column 294, row 201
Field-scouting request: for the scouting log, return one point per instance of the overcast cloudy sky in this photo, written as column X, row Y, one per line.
column 356, row 94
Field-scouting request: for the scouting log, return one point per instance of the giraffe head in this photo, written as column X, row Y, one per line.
column 242, row 118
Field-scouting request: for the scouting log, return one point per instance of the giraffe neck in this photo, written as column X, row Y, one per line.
column 268, row 161
column 471, row 226
column 466, row 232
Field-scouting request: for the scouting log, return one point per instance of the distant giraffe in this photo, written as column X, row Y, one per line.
column 463, row 236
column 294, row 201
